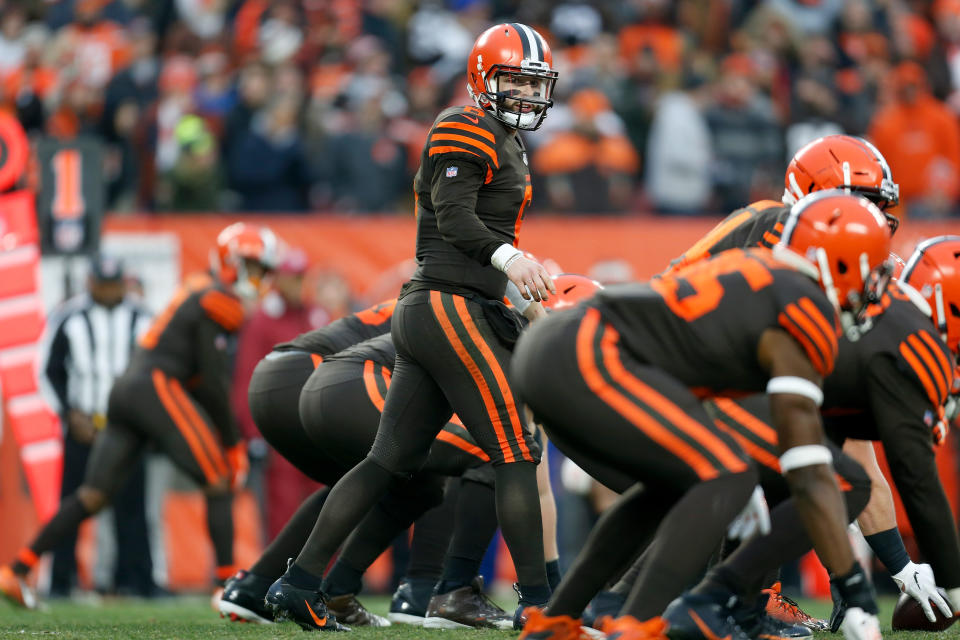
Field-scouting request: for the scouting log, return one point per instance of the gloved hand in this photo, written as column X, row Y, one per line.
column 916, row 580
column 860, row 625
column 753, row 520
column 239, row 465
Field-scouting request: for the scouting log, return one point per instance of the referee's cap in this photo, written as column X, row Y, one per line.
column 105, row 268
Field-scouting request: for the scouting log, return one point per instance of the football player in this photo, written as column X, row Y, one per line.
column 452, row 333
column 174, row 394
column 634, row 362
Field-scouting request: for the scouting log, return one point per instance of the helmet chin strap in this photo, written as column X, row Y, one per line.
column 941, row 310
column 826, row 278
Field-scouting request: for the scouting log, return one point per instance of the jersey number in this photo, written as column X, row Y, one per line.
column 527, row 197
column 703, row 278
column 68, row 201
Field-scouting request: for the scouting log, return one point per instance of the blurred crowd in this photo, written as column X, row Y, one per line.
column 678, row 107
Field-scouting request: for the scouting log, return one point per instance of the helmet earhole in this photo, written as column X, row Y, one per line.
column 841, row 267
column 954, row 310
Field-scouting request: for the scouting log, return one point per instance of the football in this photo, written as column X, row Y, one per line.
column 908, row 616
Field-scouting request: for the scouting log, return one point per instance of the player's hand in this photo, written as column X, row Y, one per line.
column 916, row 580
column 81, row 426
column 860, row 625
column 239, row 465
column 753, row 520
column 535, row 312
column 531, row 278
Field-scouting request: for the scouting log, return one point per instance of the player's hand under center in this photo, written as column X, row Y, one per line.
column 531, row 278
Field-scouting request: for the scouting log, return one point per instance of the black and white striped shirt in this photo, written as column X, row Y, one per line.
column 85, row 347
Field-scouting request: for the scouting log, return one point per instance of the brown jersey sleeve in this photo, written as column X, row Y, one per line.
column 814, row 326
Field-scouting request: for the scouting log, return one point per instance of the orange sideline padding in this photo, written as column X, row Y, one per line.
column 362, row 248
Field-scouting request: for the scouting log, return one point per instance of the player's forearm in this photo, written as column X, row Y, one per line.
column 821, row 509
column 880, row 513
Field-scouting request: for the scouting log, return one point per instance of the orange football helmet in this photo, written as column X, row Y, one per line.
column 842, row 162
column 571, row 289
column 934, row 271
column 847, row 240
column 236, row 245
column 507, row 56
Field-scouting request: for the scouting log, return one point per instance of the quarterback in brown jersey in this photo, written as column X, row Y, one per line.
column 174, row 394
column 634, row 362
column 452, row 333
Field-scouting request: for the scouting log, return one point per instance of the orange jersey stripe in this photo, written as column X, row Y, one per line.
column 701, row 249
column 935, row 372
column 317, row 359
column 945, row 367
column 627, row 408
column 378, row 313
column 163, row 392
column 755, row 451
column 747, row 420
column 810, row 328
column 918, row 369
column 770, row 238
column 468, row 127
column 465, row 357
column 435, row 150
column 202, row 428
column 831, row 331
column 661, row 404
column 460, row 443
column 224, row 310
column 518, row 431
column 370, row 383
column 808, row 347
column 482, row 146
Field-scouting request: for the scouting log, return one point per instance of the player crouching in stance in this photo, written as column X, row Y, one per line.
column 634, row 362
column 174, row 394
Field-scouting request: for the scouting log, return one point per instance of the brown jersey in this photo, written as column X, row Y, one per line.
column 191, row 341
column 345, row 332
column 471, row 190
column 757, row 225
column 702, row 323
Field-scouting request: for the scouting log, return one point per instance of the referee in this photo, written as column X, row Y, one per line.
column 87, row 344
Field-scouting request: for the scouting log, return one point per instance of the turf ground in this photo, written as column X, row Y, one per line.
column 189, row 618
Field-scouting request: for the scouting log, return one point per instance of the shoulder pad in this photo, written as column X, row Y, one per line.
column 223, row 308
column 464, row 130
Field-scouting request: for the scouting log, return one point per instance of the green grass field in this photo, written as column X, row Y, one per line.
column 188, row 618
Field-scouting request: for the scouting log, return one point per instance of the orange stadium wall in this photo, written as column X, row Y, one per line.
column 369, row 252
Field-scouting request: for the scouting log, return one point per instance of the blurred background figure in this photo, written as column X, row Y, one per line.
column 282, row 314
column 87, row 344
column 920, row 137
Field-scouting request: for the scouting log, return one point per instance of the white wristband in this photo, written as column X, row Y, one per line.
column 516, row 298
column 805, row 455
column 504, row 255
column 797, row 386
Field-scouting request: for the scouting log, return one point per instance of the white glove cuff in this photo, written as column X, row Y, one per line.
column 904, row 574
column 504, row 256
column 515, row 298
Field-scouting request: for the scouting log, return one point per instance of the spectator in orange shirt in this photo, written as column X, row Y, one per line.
column 920, row 138
column 591, row 167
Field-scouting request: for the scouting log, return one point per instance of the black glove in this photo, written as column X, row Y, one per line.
column 839, row 609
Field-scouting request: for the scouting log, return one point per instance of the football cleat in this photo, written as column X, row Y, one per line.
column 760, row 625
column 786, row 610
column 15, row 589
column 410, row 600
column 629, row 628
column 306, row 607
column 605, row 603
column 700, row 617
column 523, row 603
column 347, row 609
column 540, row 626
column 466, row 607
column 242, row 599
